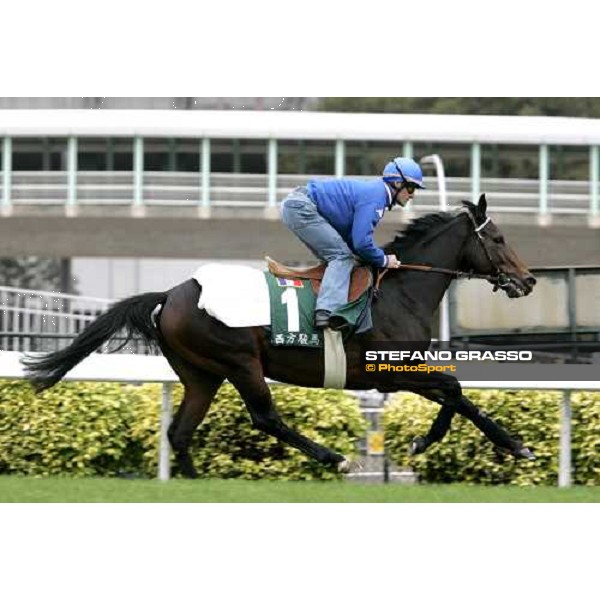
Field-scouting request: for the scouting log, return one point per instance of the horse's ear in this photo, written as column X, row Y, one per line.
column 482, row 205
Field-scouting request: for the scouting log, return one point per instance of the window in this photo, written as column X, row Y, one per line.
column 238, row 156
column 92, row 154
column 512, row 162
column 39, row 154
column 306, row 157
column 367, row 159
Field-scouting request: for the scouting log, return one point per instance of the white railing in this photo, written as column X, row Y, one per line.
column 231, row 190
column 25, row 314
column 155, row 369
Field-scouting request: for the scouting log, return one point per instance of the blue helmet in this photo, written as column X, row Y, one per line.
column 403, row 169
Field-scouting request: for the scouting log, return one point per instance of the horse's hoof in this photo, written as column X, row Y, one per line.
column 525, row 453
column 349, row 466
column 417, row 446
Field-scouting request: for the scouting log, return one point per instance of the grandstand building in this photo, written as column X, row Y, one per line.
column 117, row 184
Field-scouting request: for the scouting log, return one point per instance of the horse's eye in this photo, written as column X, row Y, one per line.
column 498, row 239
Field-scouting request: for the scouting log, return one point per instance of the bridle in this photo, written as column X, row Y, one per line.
column 499, row 280
column 502, row 280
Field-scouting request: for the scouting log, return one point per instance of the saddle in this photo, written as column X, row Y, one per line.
column 360, row 280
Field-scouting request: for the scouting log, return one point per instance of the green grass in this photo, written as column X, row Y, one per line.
column 29, row 489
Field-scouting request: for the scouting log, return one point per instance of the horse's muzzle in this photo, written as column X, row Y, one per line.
column 518, row 287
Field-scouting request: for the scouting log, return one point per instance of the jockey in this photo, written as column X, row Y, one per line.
column 336, row 218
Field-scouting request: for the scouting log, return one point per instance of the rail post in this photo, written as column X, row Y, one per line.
column 164, row 464
column 564, row 456
column 386, row 460
column 444, row 334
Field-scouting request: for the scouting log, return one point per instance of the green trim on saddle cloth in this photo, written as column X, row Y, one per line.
column 292, row 312
column 352, row 311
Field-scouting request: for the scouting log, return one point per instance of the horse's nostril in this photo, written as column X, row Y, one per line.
column 530, row 281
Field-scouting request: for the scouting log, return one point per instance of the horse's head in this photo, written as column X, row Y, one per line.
column 487, row 252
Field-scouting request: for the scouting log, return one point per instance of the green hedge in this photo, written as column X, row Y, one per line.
column 585, row 408
column 107, row 429
column 74, row 428
column 465, row 455
column 104, row 429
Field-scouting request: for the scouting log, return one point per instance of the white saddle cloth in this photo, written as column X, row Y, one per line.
column 235, row 295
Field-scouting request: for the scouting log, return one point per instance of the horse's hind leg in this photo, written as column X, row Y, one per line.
column 256, row 395
column 200, row 388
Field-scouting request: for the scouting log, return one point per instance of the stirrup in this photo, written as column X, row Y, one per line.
column 337, row 323
column 322, row 319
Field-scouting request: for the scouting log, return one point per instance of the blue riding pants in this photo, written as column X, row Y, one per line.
column 299, row 213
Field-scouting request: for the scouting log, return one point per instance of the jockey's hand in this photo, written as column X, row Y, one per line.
column 392, row 261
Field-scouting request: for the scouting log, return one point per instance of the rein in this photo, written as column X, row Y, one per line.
column 500, row 280
column 455, row 274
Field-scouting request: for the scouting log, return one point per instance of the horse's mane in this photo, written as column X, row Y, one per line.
column 416, row 230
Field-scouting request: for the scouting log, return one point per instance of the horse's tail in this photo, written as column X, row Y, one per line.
column 134, row 315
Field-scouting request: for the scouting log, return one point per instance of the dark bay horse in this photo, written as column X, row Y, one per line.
column 204, row 352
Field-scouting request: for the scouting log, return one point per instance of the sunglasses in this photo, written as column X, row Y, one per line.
column 408, row 185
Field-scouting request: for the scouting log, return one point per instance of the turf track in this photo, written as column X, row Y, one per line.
column 29, row 489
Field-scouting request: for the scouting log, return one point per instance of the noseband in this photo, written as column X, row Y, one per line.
column 501, row 279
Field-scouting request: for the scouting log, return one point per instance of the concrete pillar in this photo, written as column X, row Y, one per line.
column 271, row 211
column 204, row 207
column 475, row 172
column 340, row 158
column 544, row 217
column 71, row 206
column 594, row 216
column 6, row 177
column 138, row 209
column 409, row 210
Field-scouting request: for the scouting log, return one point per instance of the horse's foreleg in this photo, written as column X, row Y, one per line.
column 438, row 389
column 257, row 397
column 439, row 428
column 446, row 390
column 453, row 399
column 492, row 430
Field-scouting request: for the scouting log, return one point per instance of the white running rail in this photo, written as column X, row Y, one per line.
column 132, row 368
column 24, row 313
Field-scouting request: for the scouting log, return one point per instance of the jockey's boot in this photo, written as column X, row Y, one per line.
column 322, row 319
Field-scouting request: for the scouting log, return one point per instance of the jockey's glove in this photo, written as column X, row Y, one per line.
column 392, row 261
